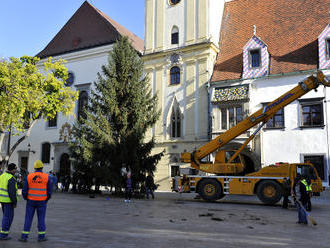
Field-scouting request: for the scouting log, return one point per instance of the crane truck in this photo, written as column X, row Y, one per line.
column 225, row 174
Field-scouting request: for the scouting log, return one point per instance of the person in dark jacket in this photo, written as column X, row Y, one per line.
column 128, row 188
column 37, row 190
column 150, row 186
column 300, row 196
column 8, row 199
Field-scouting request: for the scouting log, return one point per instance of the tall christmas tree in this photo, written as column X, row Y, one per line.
column 111, row 134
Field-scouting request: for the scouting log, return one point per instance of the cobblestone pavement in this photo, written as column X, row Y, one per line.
column 173, row 220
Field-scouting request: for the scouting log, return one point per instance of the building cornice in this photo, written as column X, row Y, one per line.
column 295, row 73
column 83, row 54
column 183, row 49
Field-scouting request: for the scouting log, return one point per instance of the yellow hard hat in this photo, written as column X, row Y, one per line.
column 38, row 164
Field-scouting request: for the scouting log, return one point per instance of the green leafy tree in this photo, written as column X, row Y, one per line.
column 121, row 111
column 30, row 91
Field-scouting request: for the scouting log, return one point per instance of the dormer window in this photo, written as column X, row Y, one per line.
column 328, row 47
column 254, row 58
column 175, row 36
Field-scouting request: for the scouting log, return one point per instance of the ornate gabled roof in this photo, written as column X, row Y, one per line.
column 88, row 28
column 289, row 28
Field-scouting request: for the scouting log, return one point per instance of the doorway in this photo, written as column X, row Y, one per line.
column 65, row 169
column 24, row 166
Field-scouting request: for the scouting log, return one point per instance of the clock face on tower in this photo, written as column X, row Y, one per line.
column 70, row 79
column 173, row 2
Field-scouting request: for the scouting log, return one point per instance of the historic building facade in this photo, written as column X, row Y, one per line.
column 266, row 48
column 181, row 44
column 85, row 44
column 211, row 63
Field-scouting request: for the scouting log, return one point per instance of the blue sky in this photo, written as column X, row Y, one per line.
column 27, row 26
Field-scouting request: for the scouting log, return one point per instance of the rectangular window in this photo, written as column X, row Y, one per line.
column 175, row 38
column 318, row 162
column 231, row 116
column 45, row 153
column 311, row 113
column 255, row 58
column 239, row 114
column 278, row 119
column 223, row 123
column 231, row 113
column 175, row 170
column 53, row 122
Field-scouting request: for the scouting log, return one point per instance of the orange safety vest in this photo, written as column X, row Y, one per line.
column 37, row 182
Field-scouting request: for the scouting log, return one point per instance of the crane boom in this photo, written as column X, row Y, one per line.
column 260, row 116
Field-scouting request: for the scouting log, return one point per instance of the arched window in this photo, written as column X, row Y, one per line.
column 82, row 102
column 45, row 153
column 176, row 121
column 175, row 75
column 175, row 35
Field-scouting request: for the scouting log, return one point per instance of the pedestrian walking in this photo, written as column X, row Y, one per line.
column 150, row 186
column 128, row 188
column 300, row 196
column 8, row 199
column 55, row 181
column 37, row 190
column 51, row 176
column 67, row 183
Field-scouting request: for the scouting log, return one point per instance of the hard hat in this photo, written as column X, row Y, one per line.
column 38, row 164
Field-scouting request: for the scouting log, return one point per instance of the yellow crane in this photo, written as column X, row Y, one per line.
column 269, row 183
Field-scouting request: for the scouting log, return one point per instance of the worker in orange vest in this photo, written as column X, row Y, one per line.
column 37, row 190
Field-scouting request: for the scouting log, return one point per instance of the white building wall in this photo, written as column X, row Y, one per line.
column 292, row 142
column 85, row 65
column 174, row 16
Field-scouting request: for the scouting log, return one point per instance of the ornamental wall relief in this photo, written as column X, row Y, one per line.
column 65, row 132
column 230, row 94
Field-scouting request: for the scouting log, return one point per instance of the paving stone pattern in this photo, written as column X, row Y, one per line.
column 172, row 220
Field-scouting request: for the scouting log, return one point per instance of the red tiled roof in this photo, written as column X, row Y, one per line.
column 88, row 28
column 290, row 29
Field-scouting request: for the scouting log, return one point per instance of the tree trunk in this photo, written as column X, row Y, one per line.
column 4, row 160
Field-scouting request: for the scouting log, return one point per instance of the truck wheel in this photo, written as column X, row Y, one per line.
column 210, row 190
column 269, row 192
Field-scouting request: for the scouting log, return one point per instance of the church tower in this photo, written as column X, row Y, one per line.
column 181, row 45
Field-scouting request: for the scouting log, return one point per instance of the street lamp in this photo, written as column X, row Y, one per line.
column 29, row 149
